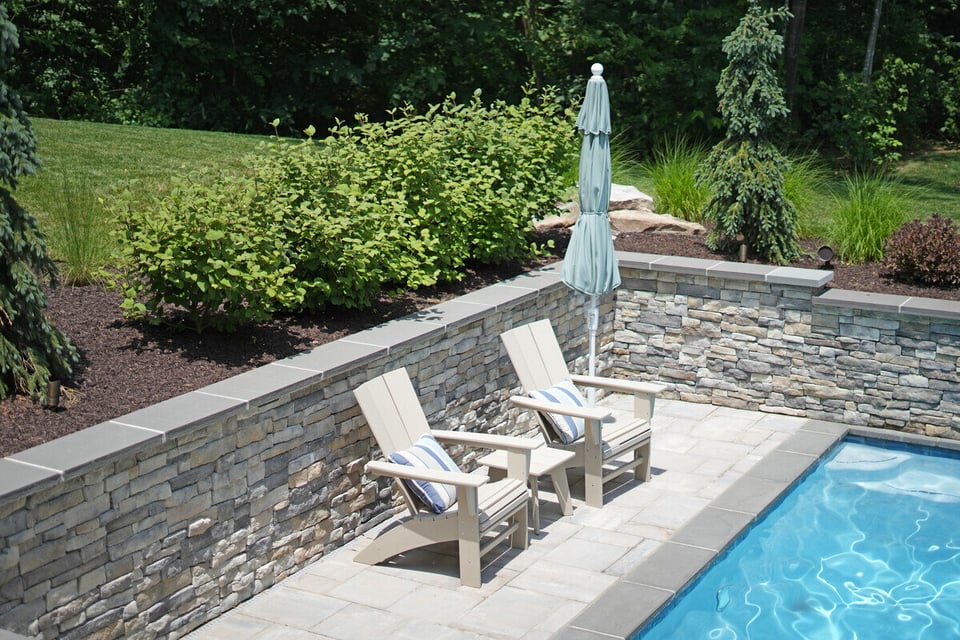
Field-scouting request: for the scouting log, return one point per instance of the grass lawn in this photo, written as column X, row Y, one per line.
column 100, row 157
column 934, row 181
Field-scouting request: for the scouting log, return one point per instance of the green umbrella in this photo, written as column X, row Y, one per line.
column 590, row 265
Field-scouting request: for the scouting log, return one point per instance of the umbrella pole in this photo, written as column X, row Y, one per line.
column 593, row 322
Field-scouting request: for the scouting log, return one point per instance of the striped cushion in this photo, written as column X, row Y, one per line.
column 568, row 429
column 426, row 453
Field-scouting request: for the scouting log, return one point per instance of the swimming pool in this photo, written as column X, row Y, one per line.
column 868, row 545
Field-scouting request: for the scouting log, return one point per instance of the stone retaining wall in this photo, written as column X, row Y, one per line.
column 152, row 523
column 774, row 339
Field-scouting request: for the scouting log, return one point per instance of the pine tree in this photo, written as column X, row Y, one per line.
column 32, row 351
column 744, row 172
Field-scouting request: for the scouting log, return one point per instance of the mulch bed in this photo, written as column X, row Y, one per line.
column 127, row 366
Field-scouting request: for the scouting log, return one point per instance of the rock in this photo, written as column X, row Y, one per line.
column 630, row 210
column 629, row 197
column 567, row 214
column 627, row 221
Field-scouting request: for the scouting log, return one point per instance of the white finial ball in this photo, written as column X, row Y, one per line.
column 596, row 69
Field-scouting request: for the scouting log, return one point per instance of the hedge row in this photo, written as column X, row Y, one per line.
column 374, row 207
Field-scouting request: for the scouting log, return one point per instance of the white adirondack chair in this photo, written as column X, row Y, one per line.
column 485, row 513
column 539, row 364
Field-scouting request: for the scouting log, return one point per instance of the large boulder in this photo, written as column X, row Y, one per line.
column 630, row 210
column 627, row 197
column 632, row 221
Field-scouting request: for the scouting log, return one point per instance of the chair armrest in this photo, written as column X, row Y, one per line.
column 518, row 449
column 621, row 386
column 394, row 470
column 587, row 413
column 485, row 440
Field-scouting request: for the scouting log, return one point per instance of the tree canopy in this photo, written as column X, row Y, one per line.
column 238, row 64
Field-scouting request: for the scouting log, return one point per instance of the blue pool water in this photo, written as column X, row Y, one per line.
column 867, row 546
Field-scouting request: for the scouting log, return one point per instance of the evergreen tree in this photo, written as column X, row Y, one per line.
column 32, row 351
column 744, row 172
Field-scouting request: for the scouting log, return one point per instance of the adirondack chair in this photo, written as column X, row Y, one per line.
column 598, row 437
column 482, row 513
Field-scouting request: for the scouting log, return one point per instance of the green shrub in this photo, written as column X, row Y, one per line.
column 209, row 248
column 376, row 206
column 870, row 208
column 672, row 172
column 926, row 253
column 408, row 202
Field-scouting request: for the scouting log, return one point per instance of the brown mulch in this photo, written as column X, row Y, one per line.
column 127, row 366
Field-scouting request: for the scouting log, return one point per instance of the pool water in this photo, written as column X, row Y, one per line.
column 866, row 546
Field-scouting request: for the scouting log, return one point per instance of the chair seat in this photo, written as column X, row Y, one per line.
column 499, row 499
column 624, row 434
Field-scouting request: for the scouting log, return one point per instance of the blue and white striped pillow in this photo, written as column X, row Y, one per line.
column 566, row 393
column 426, row 453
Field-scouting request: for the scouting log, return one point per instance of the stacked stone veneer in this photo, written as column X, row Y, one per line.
column 152, row 523
column 773, row 339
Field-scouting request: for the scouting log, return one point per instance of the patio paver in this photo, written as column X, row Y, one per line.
column 580, row 568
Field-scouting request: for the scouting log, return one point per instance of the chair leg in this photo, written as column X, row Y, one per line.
column 520, row 538
column 535, row 503
column 562, row 488
column 593, row 477
column 404, row 535
column 469, row 550
column 642, row 471
column 593, row 464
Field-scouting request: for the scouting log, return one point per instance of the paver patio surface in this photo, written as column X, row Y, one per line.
column 698, row 452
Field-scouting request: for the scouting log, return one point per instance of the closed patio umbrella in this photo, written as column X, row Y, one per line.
column 590, row 265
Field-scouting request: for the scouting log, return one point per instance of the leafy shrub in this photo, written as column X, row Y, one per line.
column 926, row 253
column 673, row 171
column 376, row 206
column 868, row 122
column 208, row 248
column 868, row 211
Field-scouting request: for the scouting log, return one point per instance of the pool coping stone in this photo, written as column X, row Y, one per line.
column 679, row 562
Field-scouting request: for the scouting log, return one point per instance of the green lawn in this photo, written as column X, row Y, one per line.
column 934, row 181
column 101, row 157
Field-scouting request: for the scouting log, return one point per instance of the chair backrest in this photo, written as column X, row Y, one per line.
column 536, row 355
column 393, row 411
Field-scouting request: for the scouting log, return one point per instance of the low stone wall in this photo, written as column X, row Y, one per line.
column 774, row 339
column 152, row 523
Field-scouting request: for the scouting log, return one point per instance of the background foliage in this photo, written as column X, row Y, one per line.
column 235, row 65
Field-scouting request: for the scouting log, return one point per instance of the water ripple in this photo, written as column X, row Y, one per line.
column 870, row 544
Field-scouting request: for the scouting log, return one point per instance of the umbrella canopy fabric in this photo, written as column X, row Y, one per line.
column 590, row 265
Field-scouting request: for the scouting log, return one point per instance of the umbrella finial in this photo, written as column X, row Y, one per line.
column 596, row 69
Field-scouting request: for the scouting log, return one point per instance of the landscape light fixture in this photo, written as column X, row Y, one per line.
column 825, row 254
